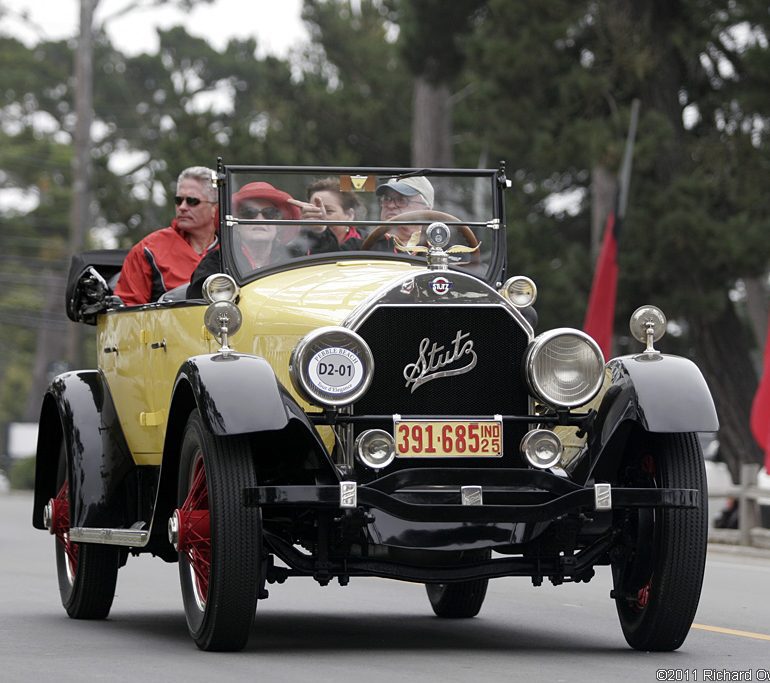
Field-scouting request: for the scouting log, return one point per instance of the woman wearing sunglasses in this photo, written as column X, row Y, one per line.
column 255, row 244
column 167, row 257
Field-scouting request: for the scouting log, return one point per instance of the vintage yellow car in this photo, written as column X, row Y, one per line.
column 380, row 408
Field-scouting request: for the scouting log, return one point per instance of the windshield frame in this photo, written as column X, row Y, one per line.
column 227, row 175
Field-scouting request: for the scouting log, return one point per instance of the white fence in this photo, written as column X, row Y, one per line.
column 750, row 531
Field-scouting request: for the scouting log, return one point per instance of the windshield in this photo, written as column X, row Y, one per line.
column 279, row 216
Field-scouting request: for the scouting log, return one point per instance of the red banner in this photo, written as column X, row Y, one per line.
column 760, row 408
column 600, row 314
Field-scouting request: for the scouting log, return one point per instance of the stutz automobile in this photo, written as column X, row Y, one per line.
column 371, row 412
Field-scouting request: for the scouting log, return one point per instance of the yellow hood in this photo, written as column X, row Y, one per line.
column 281, row 308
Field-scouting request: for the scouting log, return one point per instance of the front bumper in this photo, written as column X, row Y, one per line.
column 471, row 496
column 412, row 513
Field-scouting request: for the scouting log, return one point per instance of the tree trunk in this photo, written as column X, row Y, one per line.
column 431, row 125
column 604, row 187
column 81, row 216
column 722, row 353
column 50, row 343
column 756, row 308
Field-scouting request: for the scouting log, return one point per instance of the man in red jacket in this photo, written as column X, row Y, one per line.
column 167, row 257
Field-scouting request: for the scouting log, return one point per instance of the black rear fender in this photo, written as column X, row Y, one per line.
column 78, row 411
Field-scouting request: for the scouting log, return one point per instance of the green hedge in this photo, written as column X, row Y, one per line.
column 22, row 473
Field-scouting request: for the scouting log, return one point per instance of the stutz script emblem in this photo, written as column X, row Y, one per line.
column 434, row 357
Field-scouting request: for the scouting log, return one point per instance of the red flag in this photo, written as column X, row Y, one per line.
column 760, row 408
column 600, row 314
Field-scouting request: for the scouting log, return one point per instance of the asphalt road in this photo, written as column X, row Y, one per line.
column 372, row 630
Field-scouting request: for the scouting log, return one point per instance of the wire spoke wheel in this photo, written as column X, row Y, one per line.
column 87, row 572
column 218, row 539
column 658, row 568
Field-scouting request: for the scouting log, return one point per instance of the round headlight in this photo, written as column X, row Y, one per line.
column 219, row 287
column 565, row 367
column 520, row 291
column 375, row 448
column 542, row 448
column 331, row 366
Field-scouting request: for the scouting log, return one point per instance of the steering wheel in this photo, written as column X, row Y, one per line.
column 425, row 215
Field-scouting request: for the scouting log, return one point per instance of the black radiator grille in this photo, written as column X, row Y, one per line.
column 494, row 386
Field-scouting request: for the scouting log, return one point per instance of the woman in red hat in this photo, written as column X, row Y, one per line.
column 255, row 243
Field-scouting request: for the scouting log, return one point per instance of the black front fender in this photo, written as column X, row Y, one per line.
column 239, row 394
column 660, row 393
column 236, row 394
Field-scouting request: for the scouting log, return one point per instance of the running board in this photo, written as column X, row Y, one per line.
column 130, row 537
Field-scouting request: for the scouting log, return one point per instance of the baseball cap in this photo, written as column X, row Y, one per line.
column 409, row 187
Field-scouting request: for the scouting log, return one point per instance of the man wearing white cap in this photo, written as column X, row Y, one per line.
column 403, row 195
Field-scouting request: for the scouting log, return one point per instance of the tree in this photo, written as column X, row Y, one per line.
column 431, row 38
column 696, row 220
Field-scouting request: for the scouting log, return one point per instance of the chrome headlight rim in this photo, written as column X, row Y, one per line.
column 528, row 448
column 537, row 346
column 365, row 438
column 220, row 287
column 307, row 357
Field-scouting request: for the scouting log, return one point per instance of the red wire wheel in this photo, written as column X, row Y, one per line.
column 60, row 527
column 218, row 538
column 194, row 531
column 87, row 572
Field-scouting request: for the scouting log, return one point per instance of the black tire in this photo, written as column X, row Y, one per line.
column 658, row 571
column 221, row 599
column 458, row 600
column 87, row 572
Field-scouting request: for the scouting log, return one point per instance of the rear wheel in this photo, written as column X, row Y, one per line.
column 461, row 600
column 658, row 571
column 219, row 540
column 87, row 572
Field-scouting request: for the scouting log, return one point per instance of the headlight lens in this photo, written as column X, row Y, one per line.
column 519, row 290
column 331, row 366
column 220, row 287
column 565, row 367
column 542, row 448
column 375, row 448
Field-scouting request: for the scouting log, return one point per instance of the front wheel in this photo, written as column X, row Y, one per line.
column 658, row 570
column 87, row 572
column 219, row 540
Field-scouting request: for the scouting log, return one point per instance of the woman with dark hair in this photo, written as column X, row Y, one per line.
column 325, row 201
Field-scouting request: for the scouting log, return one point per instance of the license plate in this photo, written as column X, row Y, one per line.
column 448, row 438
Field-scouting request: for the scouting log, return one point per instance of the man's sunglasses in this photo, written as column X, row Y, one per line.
column 269, row 213
column 191, row 201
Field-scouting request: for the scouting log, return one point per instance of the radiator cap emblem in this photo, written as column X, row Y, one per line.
column 441, row 285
